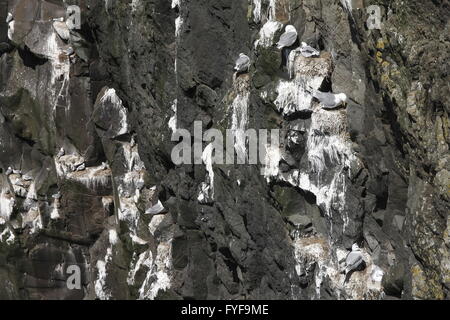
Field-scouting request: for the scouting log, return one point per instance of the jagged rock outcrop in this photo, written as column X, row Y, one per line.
column 87, row 178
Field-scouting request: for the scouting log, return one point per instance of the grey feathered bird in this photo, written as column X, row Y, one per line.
column 156, row 209
column 354, row 259
column 330, row 100
column 69, row 51
column 288, row 38
column 57, row 195
column 242, row 63
column 61, row 152
column 9, row 171
column 9, row 17
column 308, row 51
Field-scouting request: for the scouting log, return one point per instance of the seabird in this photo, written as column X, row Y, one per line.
column 61, row 153
column 69, row 51
column 288, row 38
column 330, row 100
column 57, row 195
column 9, row 171
column 62, row 30
column 308, row 51
column 156, row 209
column 354, row 260
column 242, row 63
column 9, row 18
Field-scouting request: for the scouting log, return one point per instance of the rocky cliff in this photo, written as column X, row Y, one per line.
column 87, row 180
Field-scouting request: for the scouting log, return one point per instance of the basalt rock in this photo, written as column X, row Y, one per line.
column 111, row 94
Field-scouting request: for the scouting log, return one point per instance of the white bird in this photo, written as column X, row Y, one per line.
column 9, row 171
column 62, row 30
column 354, row 259
column 288, row 38
column 156, row 209
column 242, row 63
column 308, row 51
column 9, row 17
column 330, row 100
column 57, row 195
column 61, row 153
column 69, row 51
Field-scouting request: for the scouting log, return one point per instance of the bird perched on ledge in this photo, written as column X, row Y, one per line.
column 9, row 18
column 354, row 261
column 288, row 38
column 308, row 51
column 330, row 100
column 242, row 63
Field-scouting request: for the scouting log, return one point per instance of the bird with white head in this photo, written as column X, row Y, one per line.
column 354, row 259
column 242, row 63
column 330, row 100
column 288, row 38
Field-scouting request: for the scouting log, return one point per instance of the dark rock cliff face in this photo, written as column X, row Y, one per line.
column 87, row 177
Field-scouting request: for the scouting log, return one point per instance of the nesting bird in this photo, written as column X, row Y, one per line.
column 242, row 63
column 156, row 209
column 9, row 17
column 104, row 166
column 353, row 261
column 330, row 100
column 9, row 171
column 288, row 38
column 61, row 153
column 57, row 195
column 308, row 51
column 69, row 51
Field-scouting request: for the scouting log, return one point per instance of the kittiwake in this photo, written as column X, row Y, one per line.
column 9, row 18
column 62, row 30
column 288, row 38
column 242, row 63
column 61, row 153
column 156, row 209
column 308, row 51
column 330, row 100
column 354, row 259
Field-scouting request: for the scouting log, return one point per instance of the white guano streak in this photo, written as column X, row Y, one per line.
column 239, row 120
column 267, row 34
column 256, row 11
column 158, row 276
column 178, row 25
column 60, row 68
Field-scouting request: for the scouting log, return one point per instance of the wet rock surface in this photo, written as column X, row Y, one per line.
column 87, row 180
